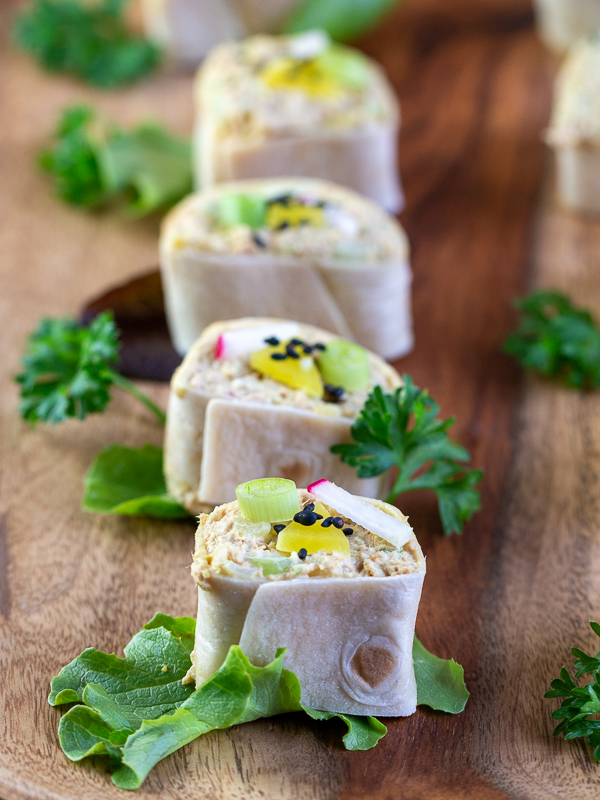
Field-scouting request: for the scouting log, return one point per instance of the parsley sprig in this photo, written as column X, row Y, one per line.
column 69, row 370
column 94, row 163
column 580, row 703
column 89, row 40
column 557, row 339
column 402, row 430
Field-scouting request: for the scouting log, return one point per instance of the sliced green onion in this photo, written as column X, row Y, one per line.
column 268, row 499
column 345, row 65
column 272, row 566
column 345, row 364
column 242, row 209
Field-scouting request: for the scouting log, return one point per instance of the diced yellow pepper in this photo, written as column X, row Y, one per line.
column 305, row 76
column 294, row 214
column 313, row 538
column 299, row 373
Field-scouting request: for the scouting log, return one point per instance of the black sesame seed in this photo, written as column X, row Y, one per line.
column 296, row 342
column 338, row 522
column 278, row 528
column 348, row 531
column 289, row 350
column 309, row 507
column 258, row 241
column 278, row 356
column 333, row 394
column 305, row 517
column 327, row 522
column 319, row 346
column 307, row 349
column 283, row 226
column 272, row 340
column 318, row 516
column 302, row 553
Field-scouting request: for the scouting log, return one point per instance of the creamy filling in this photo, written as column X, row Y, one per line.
column 230, row 545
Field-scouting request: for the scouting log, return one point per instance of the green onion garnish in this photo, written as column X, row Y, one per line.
column 242, row 209
column 345, row 364
column 268, row 499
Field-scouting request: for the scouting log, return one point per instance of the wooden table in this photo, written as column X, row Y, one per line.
column 507, row 599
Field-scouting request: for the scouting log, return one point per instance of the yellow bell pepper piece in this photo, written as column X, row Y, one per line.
column 305, row 76
column 298, row 373
column 313, row 538
column 294, row 214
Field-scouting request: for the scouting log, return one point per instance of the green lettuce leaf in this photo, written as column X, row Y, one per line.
column 440, row 682
column 342, row 19
column 135, row 710
column 129, row 481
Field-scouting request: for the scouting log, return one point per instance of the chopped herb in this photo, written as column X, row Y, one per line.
column 402, row 430
column 89, row 40
column 557, row 339
column 94, row 163
column 69, row 370
column 581, row 704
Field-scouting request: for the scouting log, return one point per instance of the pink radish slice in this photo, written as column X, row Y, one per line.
column 243, row 341
column 373, row 519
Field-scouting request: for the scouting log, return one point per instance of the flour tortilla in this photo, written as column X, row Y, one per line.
column 349, row 640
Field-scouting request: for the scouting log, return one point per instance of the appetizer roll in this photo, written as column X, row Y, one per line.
column 297, row 105
column 334, row 578
column 295, row 247
column 260, row 397
column 575, row 127
column 562, row 22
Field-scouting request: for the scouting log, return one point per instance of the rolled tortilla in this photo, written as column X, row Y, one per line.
column 348, row 635
column 562, row 22
column 189, row 29
column 247, row 127
column 222, row 430
column 574, row 131
column 350, row 273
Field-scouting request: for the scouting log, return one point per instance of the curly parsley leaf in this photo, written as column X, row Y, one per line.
column 440, row 681
column 342, row 19
column 95, row 163
column 130, row 482
column 136, row 710
column 69, row 369
column 402, row 430
column 88, row 40
column 581, row 704
column 557, row 339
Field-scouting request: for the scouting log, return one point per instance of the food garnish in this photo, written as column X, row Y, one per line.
column 345, row 364
column 242, row 209
column 401, row 430
column 581, row 704
column 268, row 499
column 89, row 40
column 240, row 342
column 130, row 482
column 136, row 710
column 288, row 363
column 557, row 339
column 341, row 21
column 312, row 530
column 95, row 163
column 69, row 370
column 392, row 530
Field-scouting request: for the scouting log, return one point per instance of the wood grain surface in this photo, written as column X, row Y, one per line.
column 507, row 599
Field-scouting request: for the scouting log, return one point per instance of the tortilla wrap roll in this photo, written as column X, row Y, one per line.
column 347, row 620
column 574, row 131
column 297, row 106
column 562, row 22
column 228, row 423
column 189, row 29
column 298, row 248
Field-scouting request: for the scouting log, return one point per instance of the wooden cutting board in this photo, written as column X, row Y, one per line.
column 507, row 599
